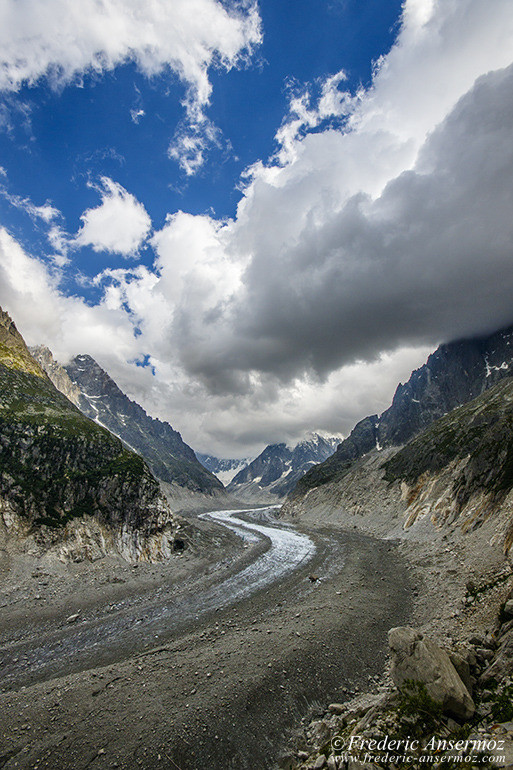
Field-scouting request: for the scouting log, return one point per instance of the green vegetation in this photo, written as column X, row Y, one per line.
column 55, row 463
column 481, row 430
column 501, row 703
column 418, row 713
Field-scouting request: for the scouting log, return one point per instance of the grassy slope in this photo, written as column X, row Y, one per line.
column 55, row 463
column 481, row 430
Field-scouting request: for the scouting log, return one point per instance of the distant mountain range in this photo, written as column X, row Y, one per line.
column 276, row 470
column 97, row 396
column 225, row 470
column 453, row 375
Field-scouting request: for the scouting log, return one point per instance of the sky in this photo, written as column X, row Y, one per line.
column 258, row 217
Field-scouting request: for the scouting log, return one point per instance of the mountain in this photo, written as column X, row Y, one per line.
column 98, row 397
column 225, row 470
column 66, row 484
column 450, row 487
column 476, row 439
column 453, row 375
column 275, row 472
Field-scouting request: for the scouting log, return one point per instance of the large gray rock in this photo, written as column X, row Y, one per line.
column 502, row 666
column 414, row 657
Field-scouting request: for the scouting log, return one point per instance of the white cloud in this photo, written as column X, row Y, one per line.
column 31, row 292
column 307, row 113
column 191, row 142
column 118, row 225
column 59, row 240
column 219, row 423
column 46, row 212
column 388, row 234
column 61, row 41
column 136, row 115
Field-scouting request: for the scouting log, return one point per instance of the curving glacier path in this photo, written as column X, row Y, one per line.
column 289, row 550
column 46, row 652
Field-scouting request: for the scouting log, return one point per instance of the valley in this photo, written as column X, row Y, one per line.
column 183, row 660
column 161, row 621
column 256, row 385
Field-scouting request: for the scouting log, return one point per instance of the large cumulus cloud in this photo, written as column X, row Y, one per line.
column 354, row 250
column 428, row 259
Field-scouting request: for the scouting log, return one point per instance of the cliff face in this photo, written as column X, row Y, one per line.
column 453, row 375
column 97, row 396
column 56, row 373
column 66, row 483
column 454, row 480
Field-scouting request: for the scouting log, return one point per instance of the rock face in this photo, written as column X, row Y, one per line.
column 453, row 375
column 417, row 658
column 57, row 373
column 96, row 394
column 475, row 439
column 275, row 472
column 66, row 483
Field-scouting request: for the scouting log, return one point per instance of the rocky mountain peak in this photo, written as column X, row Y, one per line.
column 13, row 350
column 276, row 470
column 99, row 397
column 453, row 375
column 224, row 469
column 56, row 372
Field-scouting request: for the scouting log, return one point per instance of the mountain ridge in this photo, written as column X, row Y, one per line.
column 454, row 374
column 98, row 396
column 271, row 475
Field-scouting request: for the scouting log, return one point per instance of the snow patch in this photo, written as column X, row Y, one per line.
column 489, row 368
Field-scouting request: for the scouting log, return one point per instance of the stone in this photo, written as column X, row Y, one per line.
column 484, row 653
column 319, row 733
column 503, row 664
column 462, row 668
column 508, row 608
column 286, row 762
column 417, row 658
column 319, row 763
column 505, row 628
column 337, row 708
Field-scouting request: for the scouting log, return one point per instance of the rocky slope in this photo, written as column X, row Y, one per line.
column 275, row 472
column 66, row 484
column 96, row 394
column 446, row 705
column 447, row 496
column 225, row 470
column 454, row 374
column 454, row 479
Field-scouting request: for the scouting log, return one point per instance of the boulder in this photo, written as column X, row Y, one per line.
column 319, row 733
column 462, row 669
column 503, row 664
column 508, row 608
column 417, row 658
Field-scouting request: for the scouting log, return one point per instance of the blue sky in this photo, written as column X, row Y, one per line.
column 67, row 138
column 258, row 217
